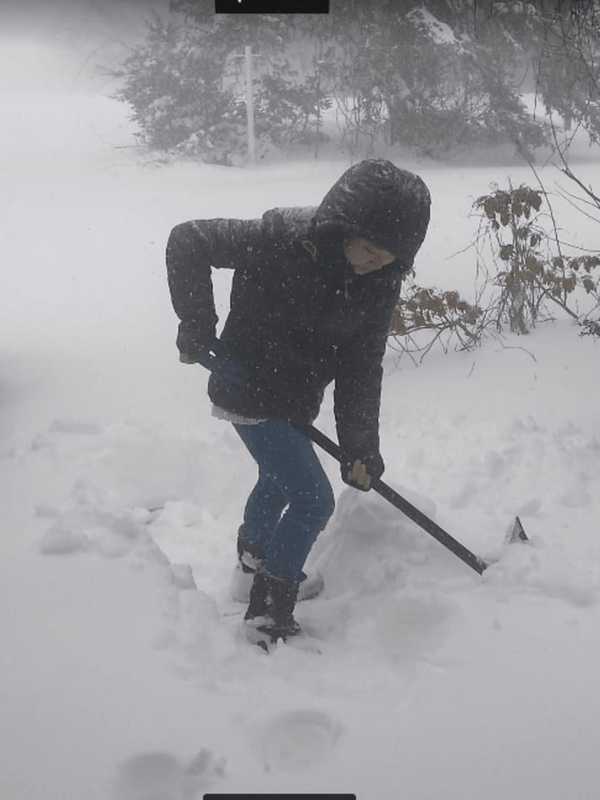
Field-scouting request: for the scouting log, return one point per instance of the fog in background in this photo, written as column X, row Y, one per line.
column 64, row 45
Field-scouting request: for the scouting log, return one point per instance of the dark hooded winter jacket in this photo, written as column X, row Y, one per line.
column 299, row 316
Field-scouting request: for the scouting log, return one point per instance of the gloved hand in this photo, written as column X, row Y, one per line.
column 361, row 472
column 194, row 342
column 204, row 357
column 216, row 358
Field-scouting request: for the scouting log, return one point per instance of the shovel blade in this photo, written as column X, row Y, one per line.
column 517, row 533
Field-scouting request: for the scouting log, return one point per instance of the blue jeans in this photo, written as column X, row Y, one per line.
column 292, row 500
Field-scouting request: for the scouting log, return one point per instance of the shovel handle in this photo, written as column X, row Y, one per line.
column 413, row 513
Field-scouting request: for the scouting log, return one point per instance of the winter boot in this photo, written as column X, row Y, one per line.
column 258, row 607
column 270, row 614
column 250, row 560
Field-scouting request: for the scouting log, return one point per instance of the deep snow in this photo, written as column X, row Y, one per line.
column 119, row 679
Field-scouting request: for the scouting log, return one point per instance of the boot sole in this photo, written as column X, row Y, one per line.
column 264, row 640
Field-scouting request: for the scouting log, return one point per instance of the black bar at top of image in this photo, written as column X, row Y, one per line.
column 271, row 6
column 279, row 797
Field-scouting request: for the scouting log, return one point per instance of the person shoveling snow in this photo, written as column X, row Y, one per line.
column 311, row 302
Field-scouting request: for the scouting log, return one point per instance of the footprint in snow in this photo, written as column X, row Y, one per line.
column 161, row 776
column 295, row 740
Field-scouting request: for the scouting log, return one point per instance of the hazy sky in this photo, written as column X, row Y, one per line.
column 57, row 45
column 50, row 16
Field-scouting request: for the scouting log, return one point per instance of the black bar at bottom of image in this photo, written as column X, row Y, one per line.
column 272, row 7
column 279, row 796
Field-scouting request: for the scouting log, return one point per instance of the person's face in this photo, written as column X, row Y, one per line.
column 366, row 257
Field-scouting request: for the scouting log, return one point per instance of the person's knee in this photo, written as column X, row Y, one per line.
column 315, row 506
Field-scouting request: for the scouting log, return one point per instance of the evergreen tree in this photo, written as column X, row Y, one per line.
column 433, row 75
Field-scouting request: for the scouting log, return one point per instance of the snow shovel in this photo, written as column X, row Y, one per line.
column 413, row 513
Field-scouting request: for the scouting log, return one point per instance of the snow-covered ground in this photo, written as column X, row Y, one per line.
column 122, row 674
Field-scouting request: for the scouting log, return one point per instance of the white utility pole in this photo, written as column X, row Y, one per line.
column 248, row 56
column 250, row 105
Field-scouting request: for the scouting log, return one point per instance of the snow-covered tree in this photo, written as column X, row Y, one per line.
column 432, row 74
column 175, row 85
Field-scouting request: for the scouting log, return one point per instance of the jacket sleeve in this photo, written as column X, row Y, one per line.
column 357, row 389
column 192, row 249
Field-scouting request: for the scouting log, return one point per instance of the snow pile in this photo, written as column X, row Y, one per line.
column 439, row 32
